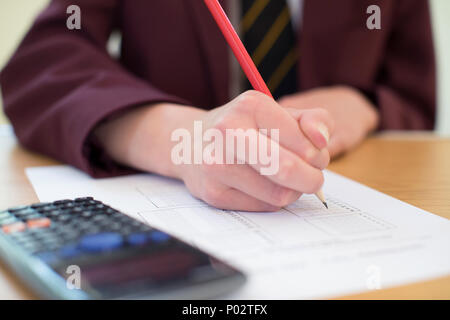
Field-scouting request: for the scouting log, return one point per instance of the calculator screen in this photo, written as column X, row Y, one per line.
column 148, row 273
column 155, row 267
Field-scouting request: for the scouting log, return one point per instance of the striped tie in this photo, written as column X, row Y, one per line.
column 270, row 40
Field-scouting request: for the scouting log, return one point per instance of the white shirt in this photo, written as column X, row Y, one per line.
column 234, row 13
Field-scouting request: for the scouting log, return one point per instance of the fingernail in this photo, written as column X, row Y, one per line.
column 324, row 131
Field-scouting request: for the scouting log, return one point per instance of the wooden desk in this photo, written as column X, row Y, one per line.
column 415, row 170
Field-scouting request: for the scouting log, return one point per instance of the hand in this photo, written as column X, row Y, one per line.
column 302, row 156
column 354, row 116
column 142, row 139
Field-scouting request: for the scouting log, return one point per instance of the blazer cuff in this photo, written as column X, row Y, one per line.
column 87, row 153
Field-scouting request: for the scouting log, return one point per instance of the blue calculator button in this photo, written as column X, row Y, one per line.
column 136, row 239
column 69, row 251
column 159, row 236
column 101, row 242
column 47, row 257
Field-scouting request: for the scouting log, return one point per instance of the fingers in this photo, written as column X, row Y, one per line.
column 267, row 114
column 316, row 137
column 272, row 160
column 269, row 169
column 294, row 173
column 335, row 147
column 232, row 199
column 250, row 182
column 287, row 169
column 316, row 124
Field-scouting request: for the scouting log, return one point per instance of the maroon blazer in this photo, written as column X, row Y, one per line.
column 61, row 83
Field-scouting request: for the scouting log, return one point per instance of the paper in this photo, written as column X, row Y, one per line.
column 365, row 241
column 6, row 130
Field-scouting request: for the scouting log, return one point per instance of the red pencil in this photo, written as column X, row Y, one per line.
column 243, row 57
column 237, row 47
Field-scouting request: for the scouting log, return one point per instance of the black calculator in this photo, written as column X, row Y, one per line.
column 84, row 249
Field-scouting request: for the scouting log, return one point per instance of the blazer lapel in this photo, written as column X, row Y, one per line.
column 215, row 50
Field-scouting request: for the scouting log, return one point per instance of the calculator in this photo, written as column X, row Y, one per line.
column 84, row 249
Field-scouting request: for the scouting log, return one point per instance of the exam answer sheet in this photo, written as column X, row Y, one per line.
column 365, row 241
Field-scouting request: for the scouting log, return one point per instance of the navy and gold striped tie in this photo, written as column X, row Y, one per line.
column 270, row 40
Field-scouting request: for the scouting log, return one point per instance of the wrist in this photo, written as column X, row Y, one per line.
column 141, row 138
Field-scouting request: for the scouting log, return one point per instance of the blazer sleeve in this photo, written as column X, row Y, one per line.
column 406, row 88
column 61, row 83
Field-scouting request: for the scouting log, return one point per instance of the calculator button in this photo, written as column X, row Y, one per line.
column 59, row 202
column 39, row 223
column 47, row 237
column 16, row 209
column 32, row 247
column 20, row 236
column 4, row 215
column 46, row 208
column 51, row 246
column 69, row 251
column 159, row 236
column 47, row 257
column 90, row 229
column 24, row 213
column 87, row 214
column 91, row 202
column 83, row 199
column 115, row 226
column 8, row 220
column 53, row 213
column 33, row 216
column 99, row 206
column 110, row 211
column 65, row 230
column 127, row 230
column 137, row 239
column 69, row 205
column 39, row 205
column 143, row 227
column 98, row 217
column 101, row 242
column 14, row 227
column 77, row 210
column 62, row 217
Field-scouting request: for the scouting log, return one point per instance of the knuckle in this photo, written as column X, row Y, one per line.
column 210, row 170
column 286, row 102
column 251, row 94
column 318, row 158
column 247, row 101
column 212, row 195
column 286, row 169
column 282, row 196
column 223, row 124
column 310, row 155
column 192, row 189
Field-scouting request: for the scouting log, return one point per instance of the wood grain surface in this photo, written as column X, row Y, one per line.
column 412, row 168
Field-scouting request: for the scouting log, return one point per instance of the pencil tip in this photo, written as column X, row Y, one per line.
column 325, row 204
